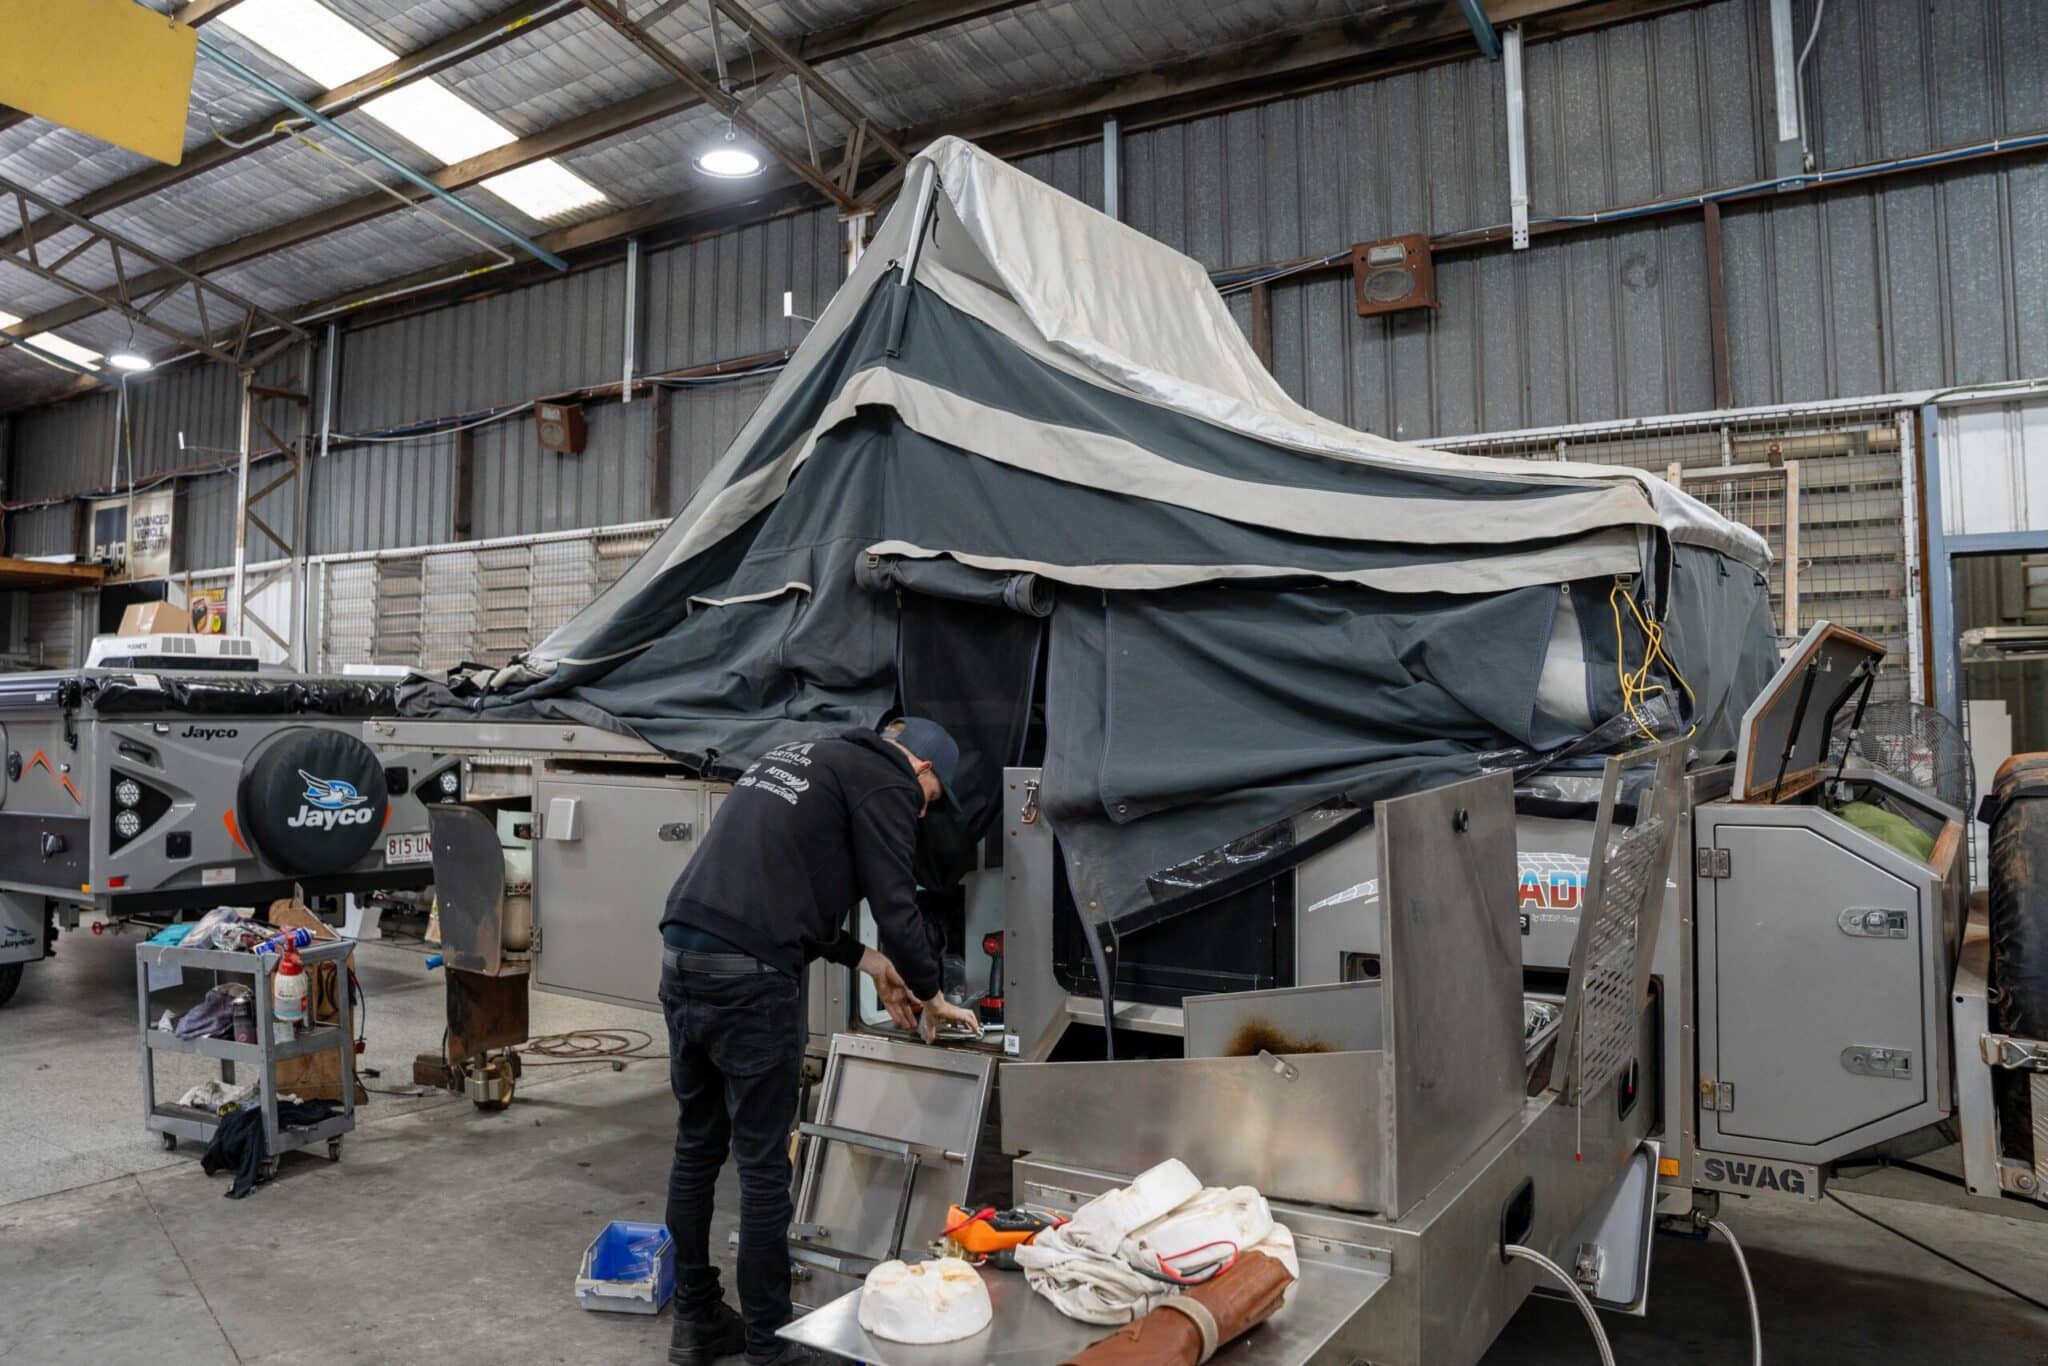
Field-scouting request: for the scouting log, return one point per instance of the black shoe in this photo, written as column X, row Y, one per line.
column 703, row 1337
column 792, row 1354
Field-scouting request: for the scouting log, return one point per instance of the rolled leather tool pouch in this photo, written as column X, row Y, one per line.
column 1188, row 1329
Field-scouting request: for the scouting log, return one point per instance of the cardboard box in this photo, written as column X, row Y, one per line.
column 316, row 1076
column 154, row 618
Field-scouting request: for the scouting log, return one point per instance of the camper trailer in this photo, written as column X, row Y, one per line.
column 171, row 775
column 1463, row 821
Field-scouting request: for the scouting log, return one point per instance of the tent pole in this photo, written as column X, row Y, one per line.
column 920, row 220
column 899, row 305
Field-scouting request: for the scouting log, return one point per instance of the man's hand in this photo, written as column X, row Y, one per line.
column 890, row 989
column 939, row 1011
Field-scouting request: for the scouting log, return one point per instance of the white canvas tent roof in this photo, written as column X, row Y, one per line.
column 1100, row 301
column 1026, row 477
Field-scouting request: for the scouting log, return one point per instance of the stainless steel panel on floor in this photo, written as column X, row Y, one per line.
column 1452, row 964
column 851, row 1196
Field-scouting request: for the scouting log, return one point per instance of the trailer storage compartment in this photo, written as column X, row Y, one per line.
column 608, row 847
column 1828, row 902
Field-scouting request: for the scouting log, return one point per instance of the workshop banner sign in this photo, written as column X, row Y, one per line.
column 132, row 535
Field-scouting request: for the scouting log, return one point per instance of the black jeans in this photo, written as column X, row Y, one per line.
column 736, row 1052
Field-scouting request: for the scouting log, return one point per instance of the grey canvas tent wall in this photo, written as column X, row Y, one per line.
column 1026, row 454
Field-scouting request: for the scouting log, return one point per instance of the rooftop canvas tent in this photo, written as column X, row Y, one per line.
column 1026, row 454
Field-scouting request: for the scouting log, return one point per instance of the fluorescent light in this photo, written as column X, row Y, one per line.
column 134, row 362
column 311, row 37
column 56, row 346
column 439, row 121
column 546, row 189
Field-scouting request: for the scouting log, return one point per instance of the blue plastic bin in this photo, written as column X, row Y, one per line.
column 630, row 1269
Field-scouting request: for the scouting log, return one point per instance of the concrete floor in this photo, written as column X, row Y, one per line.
column 450, row 1236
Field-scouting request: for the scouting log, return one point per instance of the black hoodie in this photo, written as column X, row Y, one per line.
column 811, row 828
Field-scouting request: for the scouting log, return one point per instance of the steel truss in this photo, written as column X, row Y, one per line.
column 836, row 182
column 282, row 416
column 126, row 278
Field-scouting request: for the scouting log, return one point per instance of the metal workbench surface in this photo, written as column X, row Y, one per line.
column 1027, row 1331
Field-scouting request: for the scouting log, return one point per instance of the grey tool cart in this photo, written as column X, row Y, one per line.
column 177, row 1121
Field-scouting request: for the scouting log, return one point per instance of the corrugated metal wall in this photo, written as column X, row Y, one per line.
column 1994, row 467
column 1939, row 278
column 43, row 531
column 1935, row 278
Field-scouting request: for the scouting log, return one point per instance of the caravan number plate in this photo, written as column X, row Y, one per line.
column 400, row 849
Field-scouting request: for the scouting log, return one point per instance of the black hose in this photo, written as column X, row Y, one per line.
column 1105, row 983
column 1933, row 1251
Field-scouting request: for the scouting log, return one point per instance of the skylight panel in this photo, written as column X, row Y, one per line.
column 327, row 48
column 544, row 190
column 310, row 37
column 439, row 122
column 56, row 346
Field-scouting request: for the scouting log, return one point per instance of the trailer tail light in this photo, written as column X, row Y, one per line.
column 132, row 807
column 442, row 786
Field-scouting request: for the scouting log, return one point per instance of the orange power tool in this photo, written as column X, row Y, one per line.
column 994, row 1233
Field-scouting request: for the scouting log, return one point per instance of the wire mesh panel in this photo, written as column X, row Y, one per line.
column 1606, row 1036
column 1826, row 487
column 483, row 602
column 348, row 615
column 52, row 629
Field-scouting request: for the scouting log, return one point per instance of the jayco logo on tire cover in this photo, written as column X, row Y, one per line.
column 330, row 802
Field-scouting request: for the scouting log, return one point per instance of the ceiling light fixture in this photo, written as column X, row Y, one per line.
column 134, row 362
column 729, row 158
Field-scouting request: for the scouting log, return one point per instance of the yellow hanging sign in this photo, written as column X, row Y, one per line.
column 109, row 68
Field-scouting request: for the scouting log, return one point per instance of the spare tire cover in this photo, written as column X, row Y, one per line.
column 312, row 801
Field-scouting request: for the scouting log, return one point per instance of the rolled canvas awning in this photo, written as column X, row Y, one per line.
column 1239, row 608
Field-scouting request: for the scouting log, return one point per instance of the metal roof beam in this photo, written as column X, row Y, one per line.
column 137, row 298
column 709, row 90
column 1282, row 64
column 1326, row 54
column 502, row 231
column 524, row 16
column 907, row 20
column 808, row 74
column 196, row 12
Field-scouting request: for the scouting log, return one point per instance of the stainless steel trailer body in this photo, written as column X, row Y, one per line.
column 1800, row 988
column 1804, row 1011
column 1396, row 1175
column 1415, row 1165
column 146, row 794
